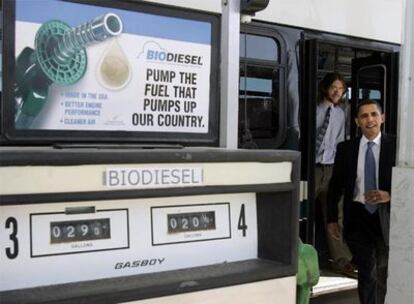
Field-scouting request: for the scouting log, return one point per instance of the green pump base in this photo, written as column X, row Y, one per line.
column 308, row 272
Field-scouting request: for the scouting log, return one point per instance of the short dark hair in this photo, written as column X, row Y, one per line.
column 368, row 102
column 326, row 82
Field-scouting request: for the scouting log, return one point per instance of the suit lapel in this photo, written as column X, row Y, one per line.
column 354, row 159
column 384, row 154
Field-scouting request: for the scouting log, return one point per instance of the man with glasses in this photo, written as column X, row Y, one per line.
column 330, row 130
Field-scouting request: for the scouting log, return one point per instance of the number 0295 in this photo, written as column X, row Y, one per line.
column 82, row 230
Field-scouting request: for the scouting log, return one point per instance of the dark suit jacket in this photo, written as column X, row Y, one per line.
column 344, row 176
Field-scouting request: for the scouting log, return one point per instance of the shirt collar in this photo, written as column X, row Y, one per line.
column 376, row 140
column 326, row 104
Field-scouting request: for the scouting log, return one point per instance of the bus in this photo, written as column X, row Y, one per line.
column 285, row 51
column 202, row 89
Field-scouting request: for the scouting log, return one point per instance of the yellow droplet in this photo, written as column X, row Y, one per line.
column 114, row 71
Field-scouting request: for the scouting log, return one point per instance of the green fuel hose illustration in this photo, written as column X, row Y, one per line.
column 59, row 57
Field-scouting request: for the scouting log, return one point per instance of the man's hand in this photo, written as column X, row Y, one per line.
column 377, row 197
column 334, row 231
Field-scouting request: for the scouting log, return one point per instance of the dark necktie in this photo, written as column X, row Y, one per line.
column 370, row 175
column 320, row 134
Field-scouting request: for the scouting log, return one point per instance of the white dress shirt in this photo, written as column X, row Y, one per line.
column 360, row 179
column 335, row 133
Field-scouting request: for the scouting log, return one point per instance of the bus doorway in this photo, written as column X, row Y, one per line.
column 370, row 72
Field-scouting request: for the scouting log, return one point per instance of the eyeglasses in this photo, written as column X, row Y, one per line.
column 334, row 88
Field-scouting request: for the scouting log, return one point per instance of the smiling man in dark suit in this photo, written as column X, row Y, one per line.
column 362, row 173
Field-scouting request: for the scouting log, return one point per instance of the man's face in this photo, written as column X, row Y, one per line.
column 369, row 119
column 335, row 92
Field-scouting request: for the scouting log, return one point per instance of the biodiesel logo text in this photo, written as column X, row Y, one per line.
column 163, row 56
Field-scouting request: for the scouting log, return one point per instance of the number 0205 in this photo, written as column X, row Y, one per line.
column 195, row 221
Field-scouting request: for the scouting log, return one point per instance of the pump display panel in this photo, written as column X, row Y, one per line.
column 190, row 223
column 142, row 236
column 56, row 233
column 119, row 226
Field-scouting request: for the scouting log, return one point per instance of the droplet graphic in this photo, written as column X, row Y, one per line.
column 114, row 71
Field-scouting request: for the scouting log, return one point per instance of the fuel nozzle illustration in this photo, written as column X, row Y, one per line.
column 59, row 57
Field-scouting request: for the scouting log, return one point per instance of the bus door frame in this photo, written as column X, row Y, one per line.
column 389, row 104
column 309, row 53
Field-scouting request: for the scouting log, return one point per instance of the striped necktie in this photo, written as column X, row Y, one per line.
column 370, row 175
column 322, row 130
